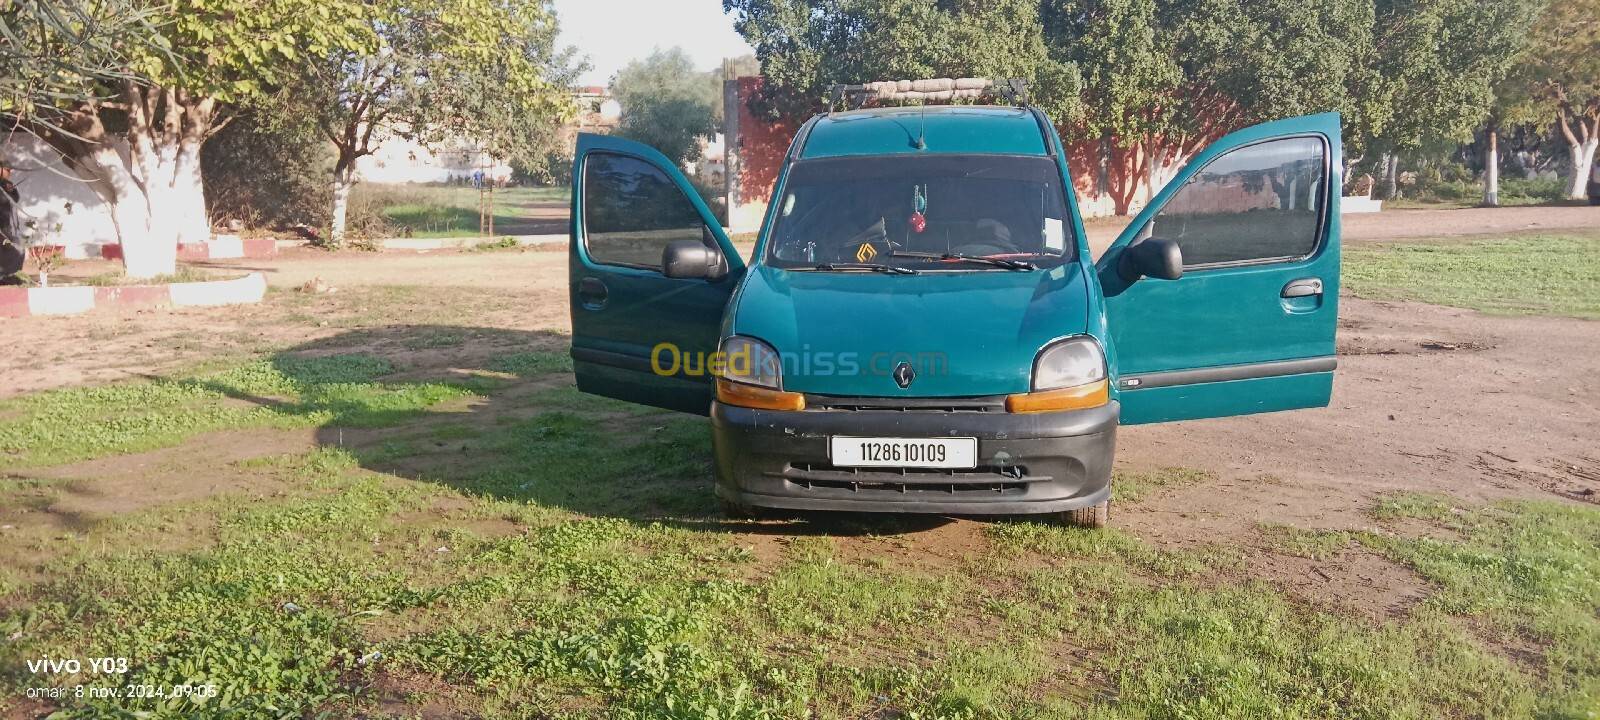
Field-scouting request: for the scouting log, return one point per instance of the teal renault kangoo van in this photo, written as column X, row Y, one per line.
column 920, row 326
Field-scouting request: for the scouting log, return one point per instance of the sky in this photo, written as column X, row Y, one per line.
column 612, row 32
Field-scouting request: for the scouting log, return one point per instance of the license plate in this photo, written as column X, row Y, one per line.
column 904, row 452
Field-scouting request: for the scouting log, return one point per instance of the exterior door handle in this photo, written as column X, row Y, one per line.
column 592, row 291
column 1302, row 287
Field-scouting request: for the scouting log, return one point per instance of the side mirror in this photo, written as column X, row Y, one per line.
column 691, row 259
column 1154, row 257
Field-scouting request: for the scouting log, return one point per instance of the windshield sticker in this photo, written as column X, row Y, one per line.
column 1055, row 236
column 866, row 253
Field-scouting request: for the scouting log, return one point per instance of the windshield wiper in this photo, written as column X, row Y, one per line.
column 1006, row 263
column 868, row 267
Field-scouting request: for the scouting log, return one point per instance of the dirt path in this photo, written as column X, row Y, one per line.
column 1404, row 224
column 1419, row 223
column 1425, row 398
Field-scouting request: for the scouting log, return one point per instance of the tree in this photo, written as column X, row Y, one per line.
column 666, row 103
column 1439, row 62
column 1160, row 79
column 1516, row 105
column 54, row 53
column 1561, row 68
column 134, row 135
column 807, row 45
column 269, row 167
column 485, row 70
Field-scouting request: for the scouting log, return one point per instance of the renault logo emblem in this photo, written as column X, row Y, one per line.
column 903, row 375
column 866, row 253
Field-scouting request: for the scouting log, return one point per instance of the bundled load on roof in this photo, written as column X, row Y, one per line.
column 929, row 89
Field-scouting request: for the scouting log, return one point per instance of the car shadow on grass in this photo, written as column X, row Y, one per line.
column 495, row 414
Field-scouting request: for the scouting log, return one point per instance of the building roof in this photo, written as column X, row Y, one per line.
column 944, row 129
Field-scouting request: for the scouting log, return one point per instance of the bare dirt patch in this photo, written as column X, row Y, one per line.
column 1355, row 581
column 1517, row 415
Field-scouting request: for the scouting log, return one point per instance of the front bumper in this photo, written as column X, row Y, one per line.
column 1027, row 463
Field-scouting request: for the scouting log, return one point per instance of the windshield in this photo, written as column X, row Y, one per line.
column 912, row 211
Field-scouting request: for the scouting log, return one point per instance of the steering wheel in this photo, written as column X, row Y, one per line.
column 991, row 246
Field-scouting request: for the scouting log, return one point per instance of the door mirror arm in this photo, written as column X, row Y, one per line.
column 691, row 259
column 1154, row 257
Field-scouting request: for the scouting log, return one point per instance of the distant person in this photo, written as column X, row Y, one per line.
column 477, row 179
column 11, row 253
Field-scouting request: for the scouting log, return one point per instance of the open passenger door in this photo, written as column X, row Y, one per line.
column 1222, row 295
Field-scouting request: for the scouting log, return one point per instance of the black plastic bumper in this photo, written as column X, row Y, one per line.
column 1027, row 463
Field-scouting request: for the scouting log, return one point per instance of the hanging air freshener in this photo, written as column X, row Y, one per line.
column 919, row 203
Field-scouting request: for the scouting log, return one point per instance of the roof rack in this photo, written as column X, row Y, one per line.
column 1014, row 90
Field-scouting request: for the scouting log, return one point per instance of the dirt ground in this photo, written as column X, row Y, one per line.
column 1425, row 398
column 1418, row 223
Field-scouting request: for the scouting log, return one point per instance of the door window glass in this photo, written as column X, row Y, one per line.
column 1259, row 202
column 631, row 210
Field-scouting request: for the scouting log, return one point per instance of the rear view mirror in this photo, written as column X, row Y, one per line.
column 1153, row 257
column 691, row 259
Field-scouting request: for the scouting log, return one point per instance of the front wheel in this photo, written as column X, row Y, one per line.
column 1094, row 517
column 739, row 511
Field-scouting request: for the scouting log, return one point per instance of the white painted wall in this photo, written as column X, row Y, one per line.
column 399, row 160
column 63, row 210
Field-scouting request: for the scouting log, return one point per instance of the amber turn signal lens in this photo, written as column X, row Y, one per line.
column 760, row 398
column 1089, row 395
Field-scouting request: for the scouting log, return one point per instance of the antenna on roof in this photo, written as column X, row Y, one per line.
column 922, row 127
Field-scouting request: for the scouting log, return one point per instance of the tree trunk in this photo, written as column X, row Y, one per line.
column 1491, row 167
column 1154, row 167
column 1583, row 137
column 188, row 195
column 1582, row 155
column 1102, row 176
column 1391, row 177
column 343, row 180
column 149, row 176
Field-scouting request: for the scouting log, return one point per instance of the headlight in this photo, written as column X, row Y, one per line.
column 1069, row 363
column 1069, row 375
column 752, row 362
column 752, row 377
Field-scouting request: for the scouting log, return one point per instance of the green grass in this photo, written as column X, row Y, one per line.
column 1526, row 572
column 184, row 274
column 446, row 211
column 1525, row 275
column 561, row 556
column 1134, row 486
column 66, row 425
column 505, row 243
column 1299, row 542
column 533, row 363
column 1514, row 192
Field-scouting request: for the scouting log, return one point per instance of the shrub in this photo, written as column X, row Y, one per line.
column 269, row 169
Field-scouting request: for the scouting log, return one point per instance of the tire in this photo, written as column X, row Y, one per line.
column 738, row 511
column 1094, row 517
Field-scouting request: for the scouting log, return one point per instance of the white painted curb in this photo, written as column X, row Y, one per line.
column 60, row 300
column 248, row 289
